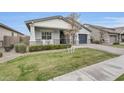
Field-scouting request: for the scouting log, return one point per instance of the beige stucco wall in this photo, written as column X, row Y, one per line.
column 55, row 23
column 95, row 34
column 6, row 32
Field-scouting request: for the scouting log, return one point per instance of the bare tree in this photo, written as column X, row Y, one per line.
column 73, row 17
column 101, row 36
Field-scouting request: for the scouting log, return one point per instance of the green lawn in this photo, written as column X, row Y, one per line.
column 121, row 78
column 44, row 66
column 119, row 46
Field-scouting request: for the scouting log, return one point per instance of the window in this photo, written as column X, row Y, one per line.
column 46, row 35
column 12, row 33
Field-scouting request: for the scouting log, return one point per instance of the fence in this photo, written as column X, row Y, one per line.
column 52, row 41
column 12, row 40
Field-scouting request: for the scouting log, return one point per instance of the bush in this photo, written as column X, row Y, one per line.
column 96, row 42
column 1, row 54
column 116, row 43
column 8, row 48
column 47, row 47
column 20, row 48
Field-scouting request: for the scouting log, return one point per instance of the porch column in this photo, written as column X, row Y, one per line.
column 70, row 37
column 32, row 34
column 120, row 40
column 77, row 39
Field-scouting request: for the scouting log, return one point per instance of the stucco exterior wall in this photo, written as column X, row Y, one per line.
column 6, row 32
column 54, row 23
column 95, row 34
column 106, row 38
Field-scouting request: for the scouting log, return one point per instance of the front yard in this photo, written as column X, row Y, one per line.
column 121, row 78
column 119, row 46
column 44, row 66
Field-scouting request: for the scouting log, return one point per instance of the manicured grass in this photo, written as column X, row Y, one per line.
column 119, row 46
column 121, row 78
column 44, row 66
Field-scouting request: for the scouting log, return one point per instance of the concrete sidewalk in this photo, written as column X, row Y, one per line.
column 104, row 71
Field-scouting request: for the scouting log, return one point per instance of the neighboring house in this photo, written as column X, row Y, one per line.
column 54, row 30
column 7, row 31
column 105, row 35
column 121, row 30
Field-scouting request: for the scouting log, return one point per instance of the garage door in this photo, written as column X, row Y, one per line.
column 113, row 39
column 82, row 38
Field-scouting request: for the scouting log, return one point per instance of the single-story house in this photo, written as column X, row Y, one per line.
column 105, row 35
column 54, row 30
column 121, row 30
column 7, row 31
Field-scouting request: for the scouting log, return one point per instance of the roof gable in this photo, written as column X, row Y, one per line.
column 9, row 28
column 54, row 23
column 100, row 28
column 58, row 22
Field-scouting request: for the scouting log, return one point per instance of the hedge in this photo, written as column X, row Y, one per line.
column 20, row 48
column 116, row 43
column 47, row 47
column 1, row 54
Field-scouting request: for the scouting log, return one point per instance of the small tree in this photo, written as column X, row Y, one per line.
column 75, row 26
column 73, row 17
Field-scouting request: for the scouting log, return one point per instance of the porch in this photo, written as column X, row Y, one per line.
column 45, row 36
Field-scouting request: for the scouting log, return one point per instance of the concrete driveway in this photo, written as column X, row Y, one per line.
column 119, row 51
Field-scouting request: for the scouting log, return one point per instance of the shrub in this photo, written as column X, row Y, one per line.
column 1, row 54
column 20, row 48
column 8, row 48
column 47, row 47
column 96, row 42
column 116, row 43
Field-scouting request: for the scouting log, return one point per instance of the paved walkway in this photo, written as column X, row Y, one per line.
column 104, row 71
column 8, row 55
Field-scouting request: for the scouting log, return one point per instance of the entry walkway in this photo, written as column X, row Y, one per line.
column 8, row 55
column 104, row 71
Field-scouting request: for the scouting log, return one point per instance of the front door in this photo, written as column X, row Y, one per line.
column 62, row 37
column 82, row 38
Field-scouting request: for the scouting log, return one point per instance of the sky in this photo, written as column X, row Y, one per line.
column 16, row 19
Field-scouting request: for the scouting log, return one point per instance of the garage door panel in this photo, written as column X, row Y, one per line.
column 82, row 38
